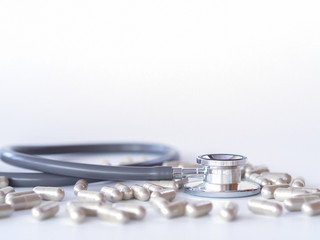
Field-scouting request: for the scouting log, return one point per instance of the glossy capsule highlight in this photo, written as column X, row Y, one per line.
column 76, row 214
column 89, row 208
column 168, row 194
column 311, row 208
column 45, row 210
column 80, row 186
column 49, row 193
column 24, row 201
column 281, row 194
column 86, row 195
column 229, row 211
column 198, row 209
column 5, row 210
column 140, row 193
column 112, row 194
column 110, row 214
column 3, row 181
column 264, row 207
column 135, row 212
column 268, row 191
column 174, row 209
column 153, row 187
column 166, row 184
column 298, row 182
column 127, row 192
column 295, row 203
column 4, row 191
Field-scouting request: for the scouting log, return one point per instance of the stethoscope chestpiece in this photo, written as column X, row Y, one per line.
column 221, row 177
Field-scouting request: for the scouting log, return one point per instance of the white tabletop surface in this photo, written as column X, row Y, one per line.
column 203, row 76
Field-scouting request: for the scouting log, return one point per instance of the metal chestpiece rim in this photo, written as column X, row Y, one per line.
column 222, row 177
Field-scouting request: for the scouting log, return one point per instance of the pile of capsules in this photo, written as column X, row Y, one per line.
column 279, row 186
column 108, row 203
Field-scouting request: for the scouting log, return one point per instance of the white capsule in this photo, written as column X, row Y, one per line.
column 80, row 186
column 49, row 193
column 276, row 176
column 76, row 214
column 168, row 194
column 166, row 184
column 260, row 180
column 181, row 182
column 229, row 211
column 152, row 187
column 311, row 208
column 105, row 162
column 45, row 210
column 174, row 209
column 198, row 209
column 256, row 169
column 5, row 210
column 264, row 207
column 298, row 182
column 3, row 181
column 17, row 194
column 158, row 203
column 126, row 160
column 295, row 203
column 86, row 195
column 24, row 201
column 110, row 214
column 140, row 192
column 112, row 194
column 126, row 191
column 268, row 191
column 4, row 191
column 281, row 194
column 89, row 208
column 135, row 212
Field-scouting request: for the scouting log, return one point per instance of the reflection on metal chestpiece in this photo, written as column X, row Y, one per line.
column 76, row 214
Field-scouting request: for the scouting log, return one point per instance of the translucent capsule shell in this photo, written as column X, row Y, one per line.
column 24, row 201
column 45, row 210
column 295, row 203
column 112, row 194
column 140, row 193
column 229, row 211
column 49, row 193
column 265, row 207
column 268, row 191
column 198, row 209
column 4, row 191
column 134, row 211
column 110, row 214
column 3, row 181
column 173, row 210
column 281, row 194
column 126, row 191
column 298, row 182
column 158, row 203
column 5, row 210
column 17, row 194
column 76, row 214
column 311, row 208
column 168, row 194
column 86, row 195
column 80, row 186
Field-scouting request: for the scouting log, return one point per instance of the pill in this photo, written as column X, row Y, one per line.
column 198, row 209
column 76, row 214
column 105, row 162
column 110, row 214
column 174, row 209
column 166, row 184
column 112, row 194
column 280, row 181
column 80, row 186
column 152, row 187
column 255, row 177
column 168, row 194
column 89, row 208
column 172, row 163
column 86, row 195
column 264, row 207
column 4, row 191
column 45, row 210
column 49, row 193
column 5, row 210
column 24, row 201
column 3, row 181
column 126, row 161
column 311, row 208
column 282, row 194
column 268, row 191
column 309, row 189
column 126, row 191
column 16, row 194
column 134, row 211
column 158, row 203
column 140, row 192
column 295, row 203
column 229, row 211
column 181, row 182
column 298, row 182
column 275, row 176
column 256, row 169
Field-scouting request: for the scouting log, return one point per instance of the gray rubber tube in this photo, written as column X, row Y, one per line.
column 27, row 157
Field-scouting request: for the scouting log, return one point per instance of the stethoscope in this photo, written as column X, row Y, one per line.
column 218, row 175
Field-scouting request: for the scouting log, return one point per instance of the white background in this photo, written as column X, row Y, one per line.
column 203, row 76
